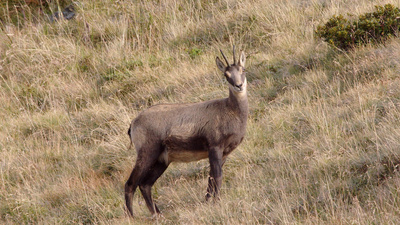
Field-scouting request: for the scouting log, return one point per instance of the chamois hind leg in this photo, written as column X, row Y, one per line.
column 145, row 186
column 145, row 160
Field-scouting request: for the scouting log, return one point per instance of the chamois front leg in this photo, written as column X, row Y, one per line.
column 215, row 179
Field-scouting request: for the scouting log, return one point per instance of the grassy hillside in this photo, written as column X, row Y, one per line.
column 323, row 137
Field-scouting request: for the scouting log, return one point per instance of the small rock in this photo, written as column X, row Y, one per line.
column 67, row 13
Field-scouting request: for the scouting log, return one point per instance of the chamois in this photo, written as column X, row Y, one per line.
column 166, row 133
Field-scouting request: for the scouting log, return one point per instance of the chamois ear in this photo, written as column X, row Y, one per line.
column 242, row 59
column 221, row 66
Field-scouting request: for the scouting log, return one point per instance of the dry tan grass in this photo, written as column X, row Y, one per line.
column 323, row 138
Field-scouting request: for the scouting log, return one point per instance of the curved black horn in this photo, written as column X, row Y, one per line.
column 227, row 63
column 234, row 55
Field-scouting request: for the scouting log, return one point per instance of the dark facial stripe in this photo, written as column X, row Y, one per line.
column 232, row 81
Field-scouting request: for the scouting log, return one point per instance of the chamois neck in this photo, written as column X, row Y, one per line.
column 238, row 100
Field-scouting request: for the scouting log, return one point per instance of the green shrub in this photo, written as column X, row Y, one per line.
column 370, row 27
column 194, row 52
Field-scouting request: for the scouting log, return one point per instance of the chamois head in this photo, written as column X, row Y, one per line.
column 234, row 73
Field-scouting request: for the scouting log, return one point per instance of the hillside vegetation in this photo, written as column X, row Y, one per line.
column 323, row 137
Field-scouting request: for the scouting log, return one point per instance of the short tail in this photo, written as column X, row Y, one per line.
column 129, row 134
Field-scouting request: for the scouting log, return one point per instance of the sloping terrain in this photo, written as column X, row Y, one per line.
column 323, row 137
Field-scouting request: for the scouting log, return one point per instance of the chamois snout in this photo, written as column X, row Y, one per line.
column 238, row 87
